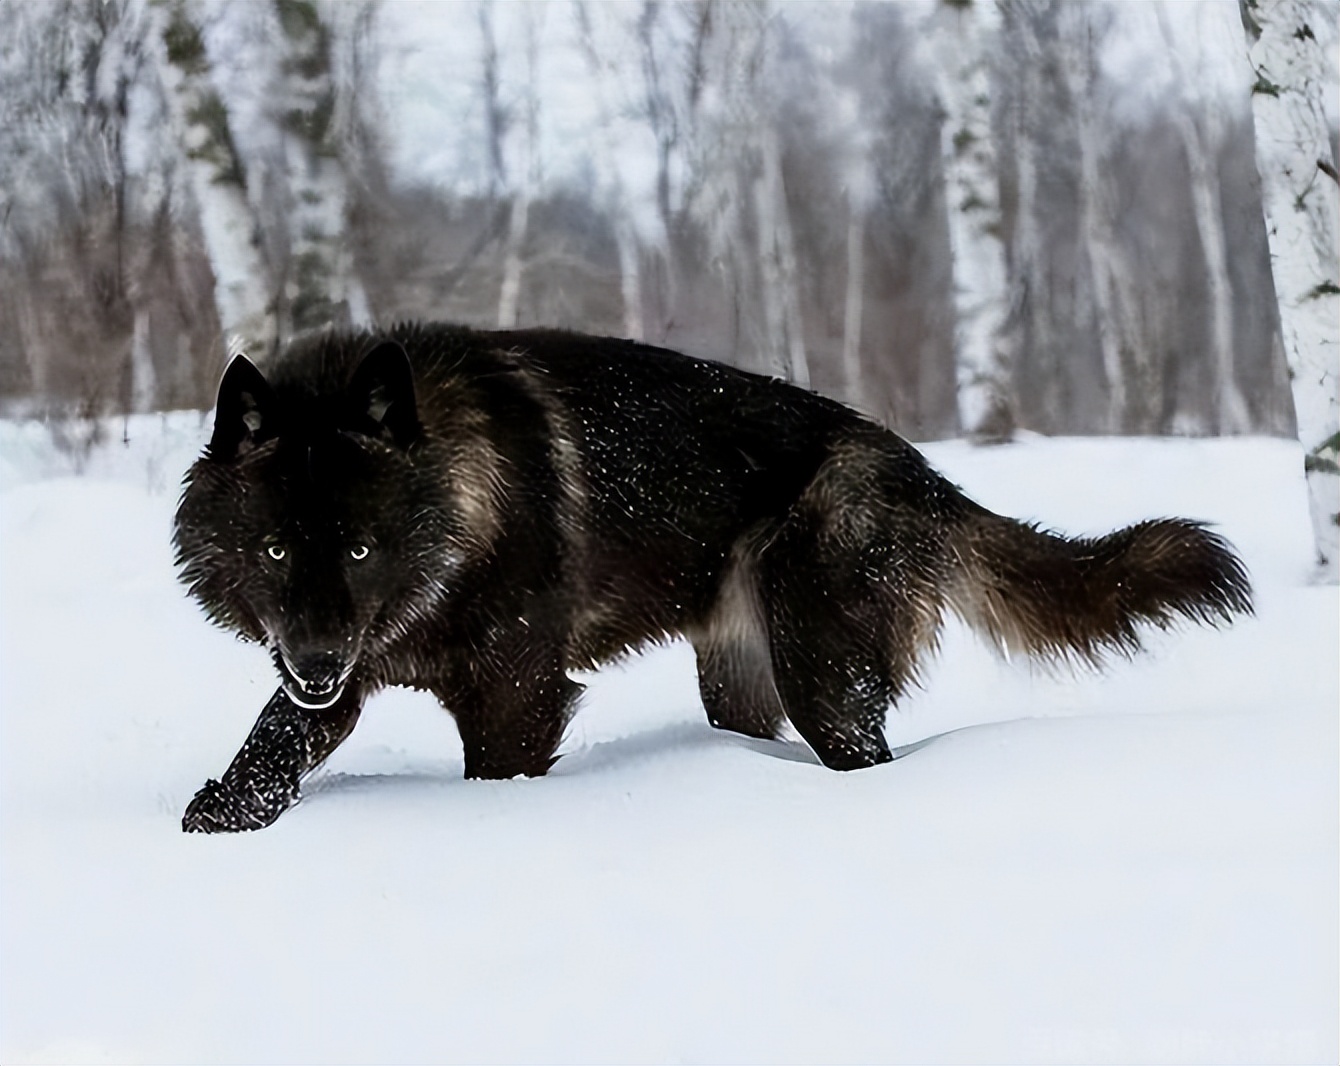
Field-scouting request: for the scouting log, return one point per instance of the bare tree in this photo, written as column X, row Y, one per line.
column 1200, row 125
column 965, row 35
column 67, row 209
column 781, row 276
column 858, row 168
column 661, row 111
column 1298, row 176
column 321, row 286
column 525, row 176
column 1113, row 288
column 611, row 179
column 1030, row 330
column 218, row 176
column 738, row 161
column 113, row 58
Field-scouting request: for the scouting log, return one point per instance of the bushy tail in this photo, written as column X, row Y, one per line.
column 1081, row 600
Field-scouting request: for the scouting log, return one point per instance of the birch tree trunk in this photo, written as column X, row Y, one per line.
column 509, row 295
column 853, row 305
column 321, row 287
column 1112, row 286
column 659, row 109
column 611, row 178
column 242, row 292
column 1230, row 409
column 495, row 115
column 718, row 127
column 630, row 279
column 1299, row 187
column 1200, row 127
column 781, row 289
column 1028, row 331
column 852, row 129
column 963, row 34
column 143, row 378
column 736, row 171
column 113, row 57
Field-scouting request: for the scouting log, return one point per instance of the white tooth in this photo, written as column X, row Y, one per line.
column 314, row 706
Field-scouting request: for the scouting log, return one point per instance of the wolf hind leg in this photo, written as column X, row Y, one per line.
column 834, row 695
column 845, row 630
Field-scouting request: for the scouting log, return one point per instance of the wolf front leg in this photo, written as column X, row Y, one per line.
column 286, row 743
column 512, row 704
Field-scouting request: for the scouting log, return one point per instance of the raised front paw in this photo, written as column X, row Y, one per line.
column 217, row 808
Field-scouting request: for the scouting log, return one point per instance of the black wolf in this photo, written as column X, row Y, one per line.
column 476, row 514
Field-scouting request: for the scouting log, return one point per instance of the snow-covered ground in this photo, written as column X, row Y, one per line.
column 1136, row 867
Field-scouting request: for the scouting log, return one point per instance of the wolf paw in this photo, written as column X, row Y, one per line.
column 218, row 809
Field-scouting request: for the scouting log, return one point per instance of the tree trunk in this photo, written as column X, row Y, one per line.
column 1298, row 179
column 659, row 110
column 218, row 179
column 509, row 295
column 963, row 35
column 143, row 378
column 736, row 167
column 1111, row 284
column 630, row 278
column 321, row 288
column 781, row 289
column 495, row 116
column 611, row 179
column 855, row 298
column 1201, row 133
column 1029, row 341
column 1231, row 415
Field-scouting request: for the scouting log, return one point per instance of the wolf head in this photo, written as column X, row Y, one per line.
column 307, row 524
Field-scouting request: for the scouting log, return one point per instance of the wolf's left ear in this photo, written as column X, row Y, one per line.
column 381, row 396
column 244, row 413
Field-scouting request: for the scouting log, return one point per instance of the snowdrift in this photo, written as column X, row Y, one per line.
column 1136, row 867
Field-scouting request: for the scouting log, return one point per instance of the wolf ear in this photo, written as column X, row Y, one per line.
column 381, row 396
column 244, row 414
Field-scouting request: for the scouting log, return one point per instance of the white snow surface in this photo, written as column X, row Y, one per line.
column 1138, row 867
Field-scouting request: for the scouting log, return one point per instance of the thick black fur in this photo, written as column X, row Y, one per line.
column 476, row 514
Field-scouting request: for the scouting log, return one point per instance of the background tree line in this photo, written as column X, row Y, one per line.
column 958, row 217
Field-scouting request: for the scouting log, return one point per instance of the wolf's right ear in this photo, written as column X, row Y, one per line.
column 244, row 414
column 380, row 396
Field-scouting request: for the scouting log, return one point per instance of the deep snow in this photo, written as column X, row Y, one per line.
column 1136, row 867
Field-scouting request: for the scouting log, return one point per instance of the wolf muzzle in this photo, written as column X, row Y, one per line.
column 314, row 681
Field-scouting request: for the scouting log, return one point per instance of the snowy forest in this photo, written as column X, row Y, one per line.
column 784, row 187
column 1103, row 232
column 961, row 218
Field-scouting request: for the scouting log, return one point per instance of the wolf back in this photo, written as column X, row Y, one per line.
column 478, row 513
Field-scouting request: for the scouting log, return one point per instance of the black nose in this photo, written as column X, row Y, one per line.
column 317, row 673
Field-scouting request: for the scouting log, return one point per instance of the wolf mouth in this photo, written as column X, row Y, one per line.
column 312, row 696
column 312, row 703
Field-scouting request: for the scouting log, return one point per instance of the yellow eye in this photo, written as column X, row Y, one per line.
column 275, row 552
column 359, row 553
